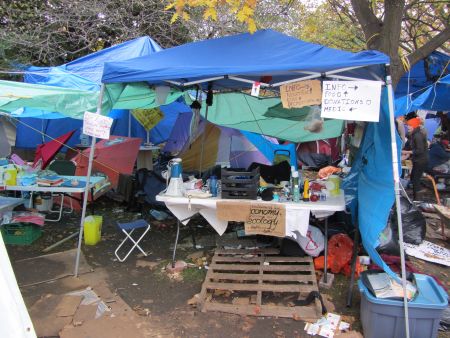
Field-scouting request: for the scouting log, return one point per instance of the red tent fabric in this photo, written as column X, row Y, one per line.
column 112, row 157
column 47, row 151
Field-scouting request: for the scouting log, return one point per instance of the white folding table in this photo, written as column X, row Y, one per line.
column 297, row 213
column 95, row 183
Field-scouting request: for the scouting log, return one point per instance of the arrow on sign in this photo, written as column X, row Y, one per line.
column 355, row 87
column 352, row 109
column 345, row 93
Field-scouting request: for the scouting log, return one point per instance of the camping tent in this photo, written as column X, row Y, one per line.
column 225, row 146
column 85, row 74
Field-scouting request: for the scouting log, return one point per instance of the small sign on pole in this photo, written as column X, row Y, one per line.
column 97, row 125
column 301, row 94
column 255, row 88
column 351, row 100
column 148, row 118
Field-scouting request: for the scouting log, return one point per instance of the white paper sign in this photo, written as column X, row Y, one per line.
column 351, row 100
column 255, row 88
column 97, row 125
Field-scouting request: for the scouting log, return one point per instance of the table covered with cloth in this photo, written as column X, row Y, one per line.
column 297, row 213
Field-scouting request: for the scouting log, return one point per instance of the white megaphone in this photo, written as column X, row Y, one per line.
column 175, row 186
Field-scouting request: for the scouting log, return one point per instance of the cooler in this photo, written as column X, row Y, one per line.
column 385, row 317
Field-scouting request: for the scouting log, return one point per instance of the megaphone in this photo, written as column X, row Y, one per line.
column 175, row 187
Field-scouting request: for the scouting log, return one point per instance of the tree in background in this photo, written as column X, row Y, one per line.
column 52, row 32
column 405, row 30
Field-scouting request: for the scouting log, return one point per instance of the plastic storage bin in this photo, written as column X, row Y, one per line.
column 385, row 318
column 92, row 230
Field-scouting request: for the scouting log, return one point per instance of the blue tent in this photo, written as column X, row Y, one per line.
column 423, row 74
column 85, row 73
column 274, row 58
column 436, row 98
column 266, row 56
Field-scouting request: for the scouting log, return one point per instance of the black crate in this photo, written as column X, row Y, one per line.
column 240, row 184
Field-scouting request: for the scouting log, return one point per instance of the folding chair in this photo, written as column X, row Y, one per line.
column 66, row 168
column 128, row 229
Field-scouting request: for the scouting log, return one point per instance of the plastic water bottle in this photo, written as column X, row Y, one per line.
column 295, row 184
column 296, row 193
column 213, row 185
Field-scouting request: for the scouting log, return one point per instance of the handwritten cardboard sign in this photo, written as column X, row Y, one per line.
column 351, row 100
column 301, row 94
column 148, row 118
column 97, row 125
column 266, row 219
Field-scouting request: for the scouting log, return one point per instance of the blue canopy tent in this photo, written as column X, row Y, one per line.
column 274, row 59
column 85, row 73
column 435, row 98
column 423, row 74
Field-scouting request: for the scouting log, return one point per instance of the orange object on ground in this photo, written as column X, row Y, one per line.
column 340, row 250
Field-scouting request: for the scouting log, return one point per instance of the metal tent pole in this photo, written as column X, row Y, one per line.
column 397, row 194
column 203, row 139
column 86, row 190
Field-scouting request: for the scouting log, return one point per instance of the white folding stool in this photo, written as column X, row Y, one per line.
column 126, row 227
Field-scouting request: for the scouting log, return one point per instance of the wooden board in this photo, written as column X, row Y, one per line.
column 272, row 281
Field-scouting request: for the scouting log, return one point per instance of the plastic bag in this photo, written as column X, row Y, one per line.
column 314, row 242
column 314, row 121
column 389, row 240
column 414, row 228
column 340, row 250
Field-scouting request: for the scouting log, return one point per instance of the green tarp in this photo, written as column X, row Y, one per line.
column 73, row 103
column 263, row 116
column 267, row 117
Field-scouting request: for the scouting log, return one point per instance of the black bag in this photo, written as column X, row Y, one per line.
column 273, row 173
column 414, row 228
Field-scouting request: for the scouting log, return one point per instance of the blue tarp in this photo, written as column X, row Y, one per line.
column 375, row 192
column 423, row 74
column 435, row 98
column 27, row 138
column 85, row 73
column 250, row 56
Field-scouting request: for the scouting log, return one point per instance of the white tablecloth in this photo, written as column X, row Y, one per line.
column 297, row 214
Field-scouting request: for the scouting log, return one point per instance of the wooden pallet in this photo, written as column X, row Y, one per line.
column 267, row 284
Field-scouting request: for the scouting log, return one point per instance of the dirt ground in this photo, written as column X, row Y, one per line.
column 161, row 301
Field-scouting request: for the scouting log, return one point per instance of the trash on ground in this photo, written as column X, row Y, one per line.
column 429, row 252
column 327, row 326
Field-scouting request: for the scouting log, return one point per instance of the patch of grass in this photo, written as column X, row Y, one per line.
column 193, row 275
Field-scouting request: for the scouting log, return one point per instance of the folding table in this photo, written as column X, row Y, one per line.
column 185, row 208
column 95, row 183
